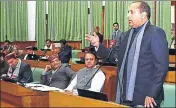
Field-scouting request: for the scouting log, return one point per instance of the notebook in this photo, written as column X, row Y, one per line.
column 92, row 94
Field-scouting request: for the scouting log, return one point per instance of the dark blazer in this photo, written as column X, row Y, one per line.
column 25, row 73
column 118, row 37
column 4, row 66
column 60, row 79
column 100, row 36
column 152, row 65
column 65, row 54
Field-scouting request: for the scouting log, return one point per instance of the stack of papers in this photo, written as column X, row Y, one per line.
column 41, row 87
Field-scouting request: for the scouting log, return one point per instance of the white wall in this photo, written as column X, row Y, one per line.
column 172, row 14
column 31, row 20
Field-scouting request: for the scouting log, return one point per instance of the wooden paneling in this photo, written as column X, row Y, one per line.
column 21, row 45
column 38, row 64
column 74, row 44
column 171, row 77
column 81, row 54
column 172, row 58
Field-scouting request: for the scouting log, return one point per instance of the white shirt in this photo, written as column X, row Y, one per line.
column 96, row 84
column 47, row 47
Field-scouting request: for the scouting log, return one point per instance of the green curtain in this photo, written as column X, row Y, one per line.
column 163, row 17
column 67, row 20
column 116, row 11
column 96, row 14
column 13, row 21
column 40, row 27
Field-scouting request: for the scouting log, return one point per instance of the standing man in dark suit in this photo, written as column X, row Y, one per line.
column 18, row 69
column 117, row 35
column 142, row 59
column 57, row 75
column 65, row 53
column 97, row 31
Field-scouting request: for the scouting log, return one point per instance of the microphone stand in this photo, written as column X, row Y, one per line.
column 24, row 83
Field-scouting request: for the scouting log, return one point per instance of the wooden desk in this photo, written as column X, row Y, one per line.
column 13, row 95
column 38, row 64
column 57, row 99
column 172, row 58
column 18, row 96
column 41, row 53
column 171, row 77
column 73, row 44
column 21, row 45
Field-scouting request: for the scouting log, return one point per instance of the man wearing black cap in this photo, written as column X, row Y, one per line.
column 65, row 52
column 57, row 75
column 30, row 55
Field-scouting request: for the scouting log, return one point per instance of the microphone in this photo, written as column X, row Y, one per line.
column 30, row 75
column 100, row 65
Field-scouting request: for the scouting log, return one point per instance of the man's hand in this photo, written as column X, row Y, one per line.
column 47, row 68
column 94, row 40
column 149, row 102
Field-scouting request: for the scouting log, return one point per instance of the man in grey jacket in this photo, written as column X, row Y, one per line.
column 56, row 74
column 117, row 35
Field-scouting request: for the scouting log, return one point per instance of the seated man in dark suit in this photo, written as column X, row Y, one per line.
column 66, row 52
column 57, row 75
column 18, row 69
column 30, row 55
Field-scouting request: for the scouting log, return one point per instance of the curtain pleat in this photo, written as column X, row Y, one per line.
column 13, row 21
column 40, row 26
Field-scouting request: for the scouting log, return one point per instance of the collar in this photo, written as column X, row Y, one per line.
column 138, row 28
column 92, row 68
column 116, row 31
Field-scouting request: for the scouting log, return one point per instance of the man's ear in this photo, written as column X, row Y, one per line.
column 144, row 14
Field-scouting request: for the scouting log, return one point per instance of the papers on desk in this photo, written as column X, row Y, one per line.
column 41, row 87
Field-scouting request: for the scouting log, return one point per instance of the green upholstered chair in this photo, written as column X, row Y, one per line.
column 37, row 74
column 169, row 95
column 75, row 56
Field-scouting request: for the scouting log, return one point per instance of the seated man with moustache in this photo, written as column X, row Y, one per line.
column 18, row 69
column 57, row 75
column 84, row 80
